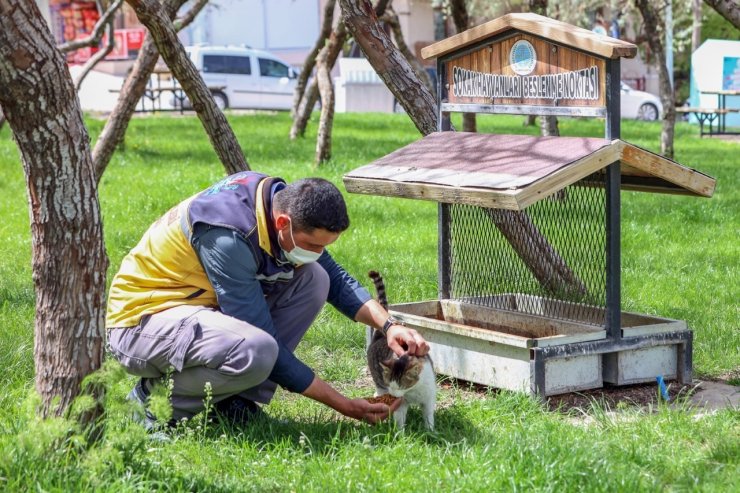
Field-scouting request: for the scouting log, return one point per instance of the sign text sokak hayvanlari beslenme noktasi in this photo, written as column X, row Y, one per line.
column 578, row 84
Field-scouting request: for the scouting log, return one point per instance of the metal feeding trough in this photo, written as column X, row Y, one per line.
column 529, row 227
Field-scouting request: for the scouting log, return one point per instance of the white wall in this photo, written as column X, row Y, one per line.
column 284, row 27
column 706, row 75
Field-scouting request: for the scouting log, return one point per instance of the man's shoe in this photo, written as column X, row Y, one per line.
column 140, row 395
column 237, row 410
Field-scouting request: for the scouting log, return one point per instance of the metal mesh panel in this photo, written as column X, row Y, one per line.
column 549, row 259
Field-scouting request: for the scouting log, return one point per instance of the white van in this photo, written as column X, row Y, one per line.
column 250, row 78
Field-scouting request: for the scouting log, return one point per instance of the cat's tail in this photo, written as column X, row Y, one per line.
column 379, row 288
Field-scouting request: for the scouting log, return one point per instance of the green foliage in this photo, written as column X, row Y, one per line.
column 680, row 261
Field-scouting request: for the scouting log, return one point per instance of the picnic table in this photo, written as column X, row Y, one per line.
column 723, row 109
column 160, row 83
column 712, row 115
column 705, row 115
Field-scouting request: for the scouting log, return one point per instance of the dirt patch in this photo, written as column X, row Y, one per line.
column 639, row 395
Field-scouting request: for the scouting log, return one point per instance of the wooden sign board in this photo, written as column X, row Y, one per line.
column 526, row 70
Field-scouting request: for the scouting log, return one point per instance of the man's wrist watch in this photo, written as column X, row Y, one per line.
column 390, row 322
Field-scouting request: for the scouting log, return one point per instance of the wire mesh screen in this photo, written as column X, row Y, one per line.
column 549, row 259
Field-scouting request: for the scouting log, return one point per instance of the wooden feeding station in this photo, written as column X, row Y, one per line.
column 529, row 227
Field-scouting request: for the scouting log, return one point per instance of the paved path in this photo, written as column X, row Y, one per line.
column 716, row 395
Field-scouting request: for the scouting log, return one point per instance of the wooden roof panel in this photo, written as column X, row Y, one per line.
column 480, row 160
column 551, row 29
column 515, row 171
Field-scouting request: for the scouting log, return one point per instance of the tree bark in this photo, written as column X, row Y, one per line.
column 69, row 259
column 300, row 122
column 133, row 89
column 696, row 24
column 461, row 19
column 310, row 62
column 727, row 9
column 326, row 90
column 542, row 260
column 653, row 23
column 2, row 118
column 390, row 64
column 334, row 48
column 161, row 29
column 548, row 124
column 391, row 18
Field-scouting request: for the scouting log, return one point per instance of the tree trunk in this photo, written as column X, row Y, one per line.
column 461, row 19
column 69, row 259
column 696, row 25
column 326, row 90
column 334, row 48
column 161, row 29
column 390, row 64
column 300, row 122
column 391, row 18
column 542, row 260
column 133, row 90
column 310, row 62
column 727, row 9
column 653, row 23
column 2, row 118
column 548, row 124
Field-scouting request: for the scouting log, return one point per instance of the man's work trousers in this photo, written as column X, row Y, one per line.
column 199, row 344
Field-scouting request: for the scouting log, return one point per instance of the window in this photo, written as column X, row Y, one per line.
column 271, row 68
column 226, row 64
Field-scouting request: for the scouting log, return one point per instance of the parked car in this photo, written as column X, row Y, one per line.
column 241, row 77
column 639, row 104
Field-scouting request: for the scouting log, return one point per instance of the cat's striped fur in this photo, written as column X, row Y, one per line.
column 407, row 376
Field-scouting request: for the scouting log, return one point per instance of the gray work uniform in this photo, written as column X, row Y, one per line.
column 201, row 344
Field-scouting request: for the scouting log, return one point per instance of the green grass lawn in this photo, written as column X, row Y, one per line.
column 680, row 260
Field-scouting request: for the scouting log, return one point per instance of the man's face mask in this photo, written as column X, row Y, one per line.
column 298, row 255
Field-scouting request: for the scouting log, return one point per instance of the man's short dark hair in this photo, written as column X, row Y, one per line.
column 313, row 203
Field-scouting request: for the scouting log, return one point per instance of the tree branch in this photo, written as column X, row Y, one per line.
column 184, row 21
column 390, row 64
column 391, row 18
column 727, row 9
column 132, row 91
column 97, row 32
column 162, row 30
column 310, row 63
column 99, row 55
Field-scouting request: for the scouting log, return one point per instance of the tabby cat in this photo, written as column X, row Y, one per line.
column 407, row 376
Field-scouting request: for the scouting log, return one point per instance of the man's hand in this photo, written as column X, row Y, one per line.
column 354, row 408
column 362, row 410
column 405, row 340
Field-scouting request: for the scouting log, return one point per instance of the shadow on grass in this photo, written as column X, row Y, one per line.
column 328, row 436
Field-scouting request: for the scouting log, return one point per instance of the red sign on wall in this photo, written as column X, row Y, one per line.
column 127, row 43
column 120, row 50
column 135, row 38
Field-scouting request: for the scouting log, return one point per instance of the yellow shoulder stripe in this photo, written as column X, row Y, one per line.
column 262, row 230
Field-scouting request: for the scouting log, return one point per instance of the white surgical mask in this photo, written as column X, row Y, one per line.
column 298, row 255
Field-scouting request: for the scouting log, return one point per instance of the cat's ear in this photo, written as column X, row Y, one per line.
column 415, row 366
column 387, row 363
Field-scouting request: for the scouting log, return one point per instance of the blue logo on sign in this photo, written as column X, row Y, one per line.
column 522, row 57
